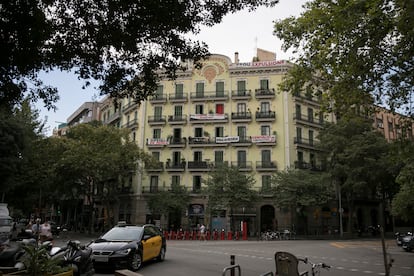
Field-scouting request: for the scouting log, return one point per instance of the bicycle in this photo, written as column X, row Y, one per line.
column 315, row 267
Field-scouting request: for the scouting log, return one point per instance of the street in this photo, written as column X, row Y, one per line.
column 346, row 257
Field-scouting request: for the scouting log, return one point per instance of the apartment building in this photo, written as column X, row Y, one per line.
column 227, row 112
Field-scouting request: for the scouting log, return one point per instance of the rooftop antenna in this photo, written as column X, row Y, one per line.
column 255, row 46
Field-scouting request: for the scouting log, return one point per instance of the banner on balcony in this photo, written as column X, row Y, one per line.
column 228, row 139
column 157, row 141
column 207, row 116
column 264, row 139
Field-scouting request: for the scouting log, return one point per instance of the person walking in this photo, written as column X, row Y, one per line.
column 46, row 232
column 36, row 229
column 203, row 232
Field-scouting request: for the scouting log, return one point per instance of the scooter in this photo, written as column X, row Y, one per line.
column 79, row 257
column 408, row 242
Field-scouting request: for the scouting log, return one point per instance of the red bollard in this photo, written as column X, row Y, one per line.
column 186, row 235
column 173, row 237
column 215, row 235
column 179, row 235
column 208, row 235
column 223, row 235
column 229, row 235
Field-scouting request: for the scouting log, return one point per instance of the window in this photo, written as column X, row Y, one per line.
column 159, row 93
column 178, row 111
column 219, row 108
column 156, row 155
column 300, row 156
column 157, row 112
column 241, row 87
column 264, row 84
column 220, row 89
column 321, row 117
column 199, row 89
column 218, row 157
column 298, row 111
column 177, row 133
column 266, row 182
column 175, row 181
column 198, row 156
column 241, row 158
column 199, row 109
column 241, row 131
column 265, row 107
column 219, row 131
column 265, row 130
column 156, row 133
column 390, row 127
column 310, row 115
column 176, row 158
column 311, row 134
column 154, row 184
column 196, row 183
column 312, row 160
column 241, row 108
column 179, row 88
column 134, row 136
column 379, row 123
column 198, row 132
column 265, row 156
column 299, row 134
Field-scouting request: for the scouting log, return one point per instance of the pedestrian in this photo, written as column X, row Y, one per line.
column 36, row 229
column 46, row 232
column 202, row 232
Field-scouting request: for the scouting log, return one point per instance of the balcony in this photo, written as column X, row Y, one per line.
column 243, row 141
column 129, row 106
column 265, row 93
column 308, row 166
column 177, row 119
column 132, row 124
column 262, row 166
column 113, row 118
column 156, row 167
column 156, row 120
column 264, row 140
column 158, row 98
column 243, row 166
column 241, row 117
column 308, row 99
column 307, row 121
column 241, row 95
column 265, row 116
column 209, row 96
column 177, row 142
column 208, row 118
column 197, row 142
column 156, row 142
column 305, row 143
column 178, row 98
column 175, row 166
column 198, row 166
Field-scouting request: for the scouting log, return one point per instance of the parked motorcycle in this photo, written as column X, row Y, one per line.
column 76, row 255
column 10, row 252
column 408, row 242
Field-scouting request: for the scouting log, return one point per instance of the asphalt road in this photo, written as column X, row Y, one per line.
column 349, row 257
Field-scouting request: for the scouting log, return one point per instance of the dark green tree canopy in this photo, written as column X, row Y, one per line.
column 362, row 52
column 120, row 43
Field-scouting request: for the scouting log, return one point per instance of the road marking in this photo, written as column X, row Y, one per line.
column 337, row 245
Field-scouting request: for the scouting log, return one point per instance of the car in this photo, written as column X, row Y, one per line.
column 128, row 246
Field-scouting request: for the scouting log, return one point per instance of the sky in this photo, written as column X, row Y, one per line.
column 240, row 32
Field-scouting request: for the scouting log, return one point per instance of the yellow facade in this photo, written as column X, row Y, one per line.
column 231, row 112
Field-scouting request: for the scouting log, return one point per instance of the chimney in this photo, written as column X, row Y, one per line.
column 236, row 57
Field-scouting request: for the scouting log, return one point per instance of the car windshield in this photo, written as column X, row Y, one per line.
column 123, row 233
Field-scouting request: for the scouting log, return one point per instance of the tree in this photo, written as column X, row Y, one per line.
column 295, row 190
column 169, row 203
column 361, row 52
column 358, row 162
column 120, row 43
column 228, row 188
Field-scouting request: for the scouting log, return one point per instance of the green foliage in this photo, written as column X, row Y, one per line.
column 360, row 51
column 38, row 262
column 120, row 43
column 294, row 188
column 227, row 187
column 166, row 202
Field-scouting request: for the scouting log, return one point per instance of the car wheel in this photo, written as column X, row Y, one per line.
column 136, row 261
column 161, row 256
